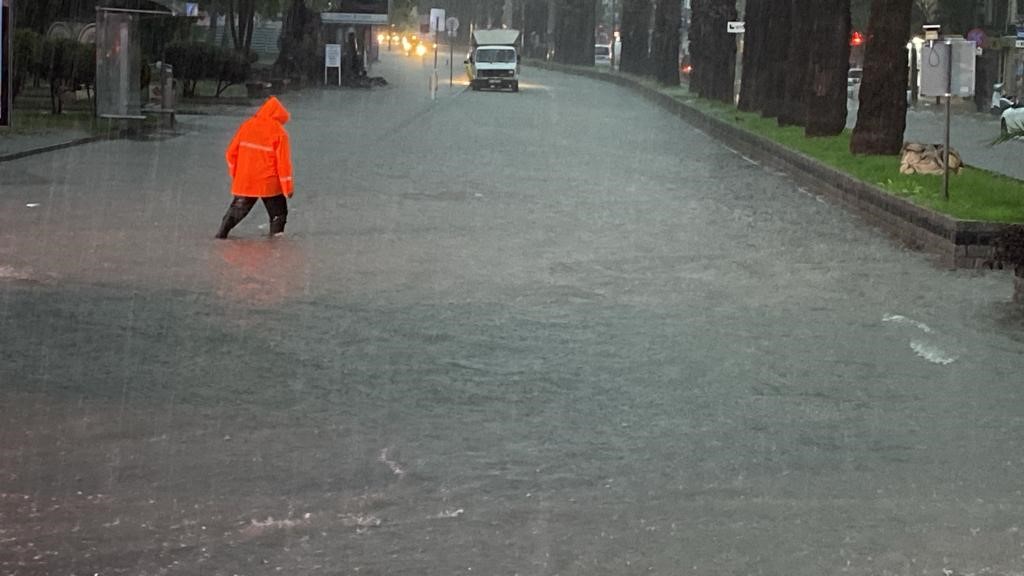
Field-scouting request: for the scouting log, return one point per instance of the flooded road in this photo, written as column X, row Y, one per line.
column 552, row 332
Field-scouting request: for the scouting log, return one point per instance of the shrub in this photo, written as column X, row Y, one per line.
column 195, row 61
column 27, row 55
column 192, row 62
column 233, row 68
column 67, row 66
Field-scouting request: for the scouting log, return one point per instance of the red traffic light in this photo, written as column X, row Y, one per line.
column 856, row 39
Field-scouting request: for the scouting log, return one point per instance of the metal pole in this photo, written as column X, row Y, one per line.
column 435, row 62
column 451, row 60
column 949, row 112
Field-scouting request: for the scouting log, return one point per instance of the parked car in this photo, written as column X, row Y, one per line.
column 1012, row 120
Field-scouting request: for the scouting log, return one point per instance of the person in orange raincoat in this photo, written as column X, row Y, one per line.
column 260, row 165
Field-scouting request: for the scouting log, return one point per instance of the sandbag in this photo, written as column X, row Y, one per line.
column 918, row 158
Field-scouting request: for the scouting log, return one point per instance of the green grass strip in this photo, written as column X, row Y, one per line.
column 974, row 194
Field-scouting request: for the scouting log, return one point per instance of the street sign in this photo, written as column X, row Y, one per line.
column 1019, row 44
column 736, row 27
column 192, row 9
column 452, row 24
column 332, row 59
column 356, row 12
column 436, row 20
column 978, row 36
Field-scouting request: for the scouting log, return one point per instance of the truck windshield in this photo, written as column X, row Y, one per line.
column 494, row 55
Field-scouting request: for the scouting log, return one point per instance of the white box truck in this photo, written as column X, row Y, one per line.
column 494, row 60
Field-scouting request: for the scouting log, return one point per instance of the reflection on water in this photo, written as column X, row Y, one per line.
column 259, row 271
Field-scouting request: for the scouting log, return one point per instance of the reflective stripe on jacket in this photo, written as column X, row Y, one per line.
column 259, row 158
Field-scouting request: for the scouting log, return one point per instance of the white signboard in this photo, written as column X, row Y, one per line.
column 352, row 18
column 436, row 20
column 735, row 27
column 936, row 65
column 1019, row 44
column 332, row 59
column 452, row 24
column 332, row 55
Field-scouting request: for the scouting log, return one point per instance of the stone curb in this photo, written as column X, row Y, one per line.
column 51, row 148
column 959, row 243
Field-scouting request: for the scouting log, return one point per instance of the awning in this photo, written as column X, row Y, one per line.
column 166, row 7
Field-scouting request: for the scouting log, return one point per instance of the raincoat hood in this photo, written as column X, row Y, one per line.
column 273, row 109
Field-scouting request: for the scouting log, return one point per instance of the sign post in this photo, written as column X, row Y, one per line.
column 332, row 59
column 437, row 22
column 947, row 70
column 452, row 26
column 739, row 29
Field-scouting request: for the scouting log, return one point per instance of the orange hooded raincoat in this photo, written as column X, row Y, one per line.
column 259, row 156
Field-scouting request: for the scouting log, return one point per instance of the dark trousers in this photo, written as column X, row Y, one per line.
column 277, row 209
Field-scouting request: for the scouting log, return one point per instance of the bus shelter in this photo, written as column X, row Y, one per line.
column 119, row 53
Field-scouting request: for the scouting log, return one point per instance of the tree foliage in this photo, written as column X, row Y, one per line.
column 38, row 15
column 299, row 55
column 195, row 61
column 67, row 66
column 28, row 46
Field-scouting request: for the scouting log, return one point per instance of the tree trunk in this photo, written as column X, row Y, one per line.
column 754, row 48
column 829, row 63
column 250, row 25
column 667, row 19
column 211, row 33
column 773, row 88
column 882, row 117
column 574, row 32
column 299, row 44
column 635, row 15
column 232, row 29
column 794, row 108
column 713, row 49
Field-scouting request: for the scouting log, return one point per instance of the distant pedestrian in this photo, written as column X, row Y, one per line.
column 259, row 161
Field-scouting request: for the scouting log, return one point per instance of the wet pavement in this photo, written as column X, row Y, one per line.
column 553, row 332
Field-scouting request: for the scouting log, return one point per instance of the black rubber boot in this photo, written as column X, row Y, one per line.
column 237, row 211
column 277, row 225
column 226, row 224
column 229, row 221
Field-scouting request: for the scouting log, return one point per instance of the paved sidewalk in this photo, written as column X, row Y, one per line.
column 13, row 145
